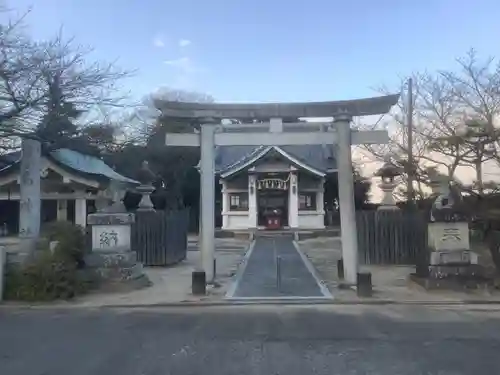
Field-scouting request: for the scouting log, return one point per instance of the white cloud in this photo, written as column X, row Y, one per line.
column 185, row 71
column 183, row 63
column 159, row 42
column 184, row 42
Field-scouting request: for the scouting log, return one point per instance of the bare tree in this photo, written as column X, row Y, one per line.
column 444, row 102
column 476, row 90
column 37, row 78
column 19, row 86
column 147, row 118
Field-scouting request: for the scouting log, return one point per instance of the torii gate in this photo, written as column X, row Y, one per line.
column 210, row 115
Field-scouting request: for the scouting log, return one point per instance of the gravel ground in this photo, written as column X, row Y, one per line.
column 173, row 284
column 389, row 282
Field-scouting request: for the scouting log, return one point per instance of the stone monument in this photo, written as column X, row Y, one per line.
column 450, row 263
column 112, row 255
column 30, row 202
column 448, row 231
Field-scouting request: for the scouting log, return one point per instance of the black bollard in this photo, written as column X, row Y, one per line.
column 364, row 284
column 422, row 270
column 199, row 283
column 340, row 269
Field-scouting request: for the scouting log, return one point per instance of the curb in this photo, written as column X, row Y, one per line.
column 231, row 303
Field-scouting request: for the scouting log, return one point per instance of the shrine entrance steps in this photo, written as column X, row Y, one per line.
column 274, row 268
column 297, row 234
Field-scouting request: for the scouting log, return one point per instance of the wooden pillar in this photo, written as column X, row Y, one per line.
column 81, row 212
column 62, row 209
column 252, row 201
column 293, row 201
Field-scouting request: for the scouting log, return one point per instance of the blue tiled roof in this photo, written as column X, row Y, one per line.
column 73, row 160
column 88, row 164
column 6, row 160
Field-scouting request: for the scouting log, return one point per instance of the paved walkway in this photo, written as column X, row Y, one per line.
column 258, row 276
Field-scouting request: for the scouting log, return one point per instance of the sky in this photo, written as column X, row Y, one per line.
column 271, row 50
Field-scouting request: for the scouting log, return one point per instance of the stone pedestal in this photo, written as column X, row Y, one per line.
column 449, row 244
column 388, row 201
column 450, row 263
column 112, row 255
column 145, row 204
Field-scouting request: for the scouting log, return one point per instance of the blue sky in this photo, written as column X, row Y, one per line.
column 272, row 50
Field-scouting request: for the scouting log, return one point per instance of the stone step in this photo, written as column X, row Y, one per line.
column 121, row 273
column 125, row 259
column 123, row 286
column 304, row 235
column 221, row 248
column 244, row 235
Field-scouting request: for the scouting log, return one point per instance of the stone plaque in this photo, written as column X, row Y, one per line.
column 449, row 236
column 111, row 237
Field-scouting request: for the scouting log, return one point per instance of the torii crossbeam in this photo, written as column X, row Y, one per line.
column 342, row 113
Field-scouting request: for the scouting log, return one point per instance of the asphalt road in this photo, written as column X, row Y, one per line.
column 381, row 340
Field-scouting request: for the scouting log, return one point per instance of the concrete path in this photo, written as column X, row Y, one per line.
column 258, row 276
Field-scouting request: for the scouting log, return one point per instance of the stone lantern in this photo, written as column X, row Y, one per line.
column 388, row 173
column 438, row 183
column 146, row 178
column 116, row 192
column 443, row 201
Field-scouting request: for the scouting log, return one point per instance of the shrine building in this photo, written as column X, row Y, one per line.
column 72, row 185
column 273, row 187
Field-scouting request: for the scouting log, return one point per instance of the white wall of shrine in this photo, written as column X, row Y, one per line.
column 240, row 209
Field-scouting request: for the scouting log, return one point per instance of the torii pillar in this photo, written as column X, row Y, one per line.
column 345, row 180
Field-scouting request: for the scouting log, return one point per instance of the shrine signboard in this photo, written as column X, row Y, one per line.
column 272, row 184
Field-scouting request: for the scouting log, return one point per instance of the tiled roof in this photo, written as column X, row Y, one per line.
column 88, row 164
column 316, row 156
column 73, row 160
column 319, row 157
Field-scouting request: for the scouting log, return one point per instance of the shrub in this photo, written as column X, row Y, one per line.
column 47, row 277
column 50, row 275
column 71, row 240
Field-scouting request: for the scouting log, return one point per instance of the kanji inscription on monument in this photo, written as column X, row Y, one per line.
column 29, row 202
column 449, row 236
column 110, row 237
